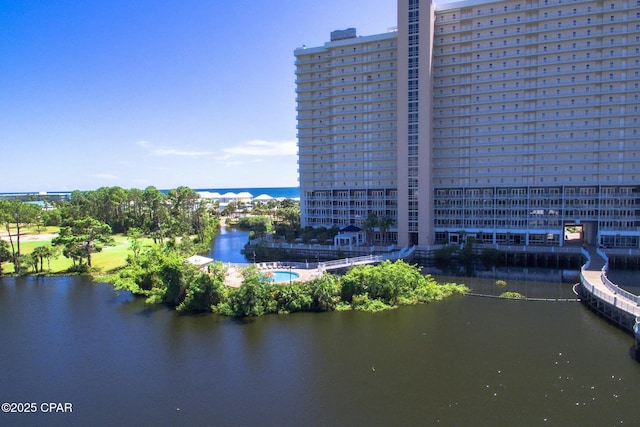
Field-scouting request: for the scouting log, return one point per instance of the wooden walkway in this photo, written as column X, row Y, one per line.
column 368, row 259
column 605, row 297
column 594, row 277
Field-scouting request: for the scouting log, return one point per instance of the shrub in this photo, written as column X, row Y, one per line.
column 511, row 295
column 364, row 303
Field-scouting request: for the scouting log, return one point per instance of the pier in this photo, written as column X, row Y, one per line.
column 598, row 293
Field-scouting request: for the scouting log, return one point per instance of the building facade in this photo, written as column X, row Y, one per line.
column 516, row 123
column 347, row 140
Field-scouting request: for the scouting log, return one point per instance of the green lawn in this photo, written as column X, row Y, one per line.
column 109, row 258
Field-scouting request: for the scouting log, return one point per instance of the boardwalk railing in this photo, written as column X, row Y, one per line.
column 612, row 286
column 348, row 262
column 617, row 301
column 321, row 247
column 367, row 259
column 328, row 265
column 606, row 290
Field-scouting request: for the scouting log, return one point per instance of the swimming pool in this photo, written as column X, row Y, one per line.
column 279, row 276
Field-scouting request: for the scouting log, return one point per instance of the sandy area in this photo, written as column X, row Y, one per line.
column 39, row 237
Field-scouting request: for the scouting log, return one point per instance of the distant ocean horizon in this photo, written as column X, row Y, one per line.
column 275, row 192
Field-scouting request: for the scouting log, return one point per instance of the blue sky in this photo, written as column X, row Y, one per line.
column 164, row 93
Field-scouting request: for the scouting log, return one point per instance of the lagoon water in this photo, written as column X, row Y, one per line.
column 465, row 361
column 228, row 245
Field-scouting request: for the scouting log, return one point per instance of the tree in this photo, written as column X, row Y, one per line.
column 288, row 216
column 154, row 212
column 326, row 292
column 183, row 204
column 390, row 282
column 258, row 225
column 5, row 254
column 40, row 253
column 203, row 220
column 172, row 276
column 122, row 209
column 75, row 253
column 294, row 297
column 54, row 254
column 29, row 261
column 369, row 225
column 134, row 236
column 385, row 223
column 84, row 235
column 230, row 209
column 50, row 218
column 15, row 214
column 253, row 297
column 202, row 290
column 374, row 222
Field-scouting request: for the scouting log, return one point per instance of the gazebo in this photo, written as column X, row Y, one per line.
column 349, row 235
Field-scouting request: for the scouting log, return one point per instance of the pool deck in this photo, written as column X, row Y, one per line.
column 233, row 276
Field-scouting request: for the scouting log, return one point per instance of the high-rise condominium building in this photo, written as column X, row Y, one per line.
column 347, row 140
column 514, row 122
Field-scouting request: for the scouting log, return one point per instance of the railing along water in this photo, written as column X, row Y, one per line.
column 602, row 288
column 367, row 259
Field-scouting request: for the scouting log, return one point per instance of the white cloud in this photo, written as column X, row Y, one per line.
column 171, row 151
column 263, row 148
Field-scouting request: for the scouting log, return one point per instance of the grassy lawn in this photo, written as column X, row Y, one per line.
column 109, row 258
column 112, row 257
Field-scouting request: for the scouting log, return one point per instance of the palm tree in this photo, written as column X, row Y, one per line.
column 369, row 225
column 385, row 223
column 28, row 261
column 40, row 253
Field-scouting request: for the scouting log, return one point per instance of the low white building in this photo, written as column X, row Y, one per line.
column 199, row 261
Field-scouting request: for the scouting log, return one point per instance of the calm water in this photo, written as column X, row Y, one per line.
column 228, row 244
column 462, row 362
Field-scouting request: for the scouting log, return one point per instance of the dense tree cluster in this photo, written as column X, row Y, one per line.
column 319, row 235
column 164, row 278
column 279, row 217
column 88, row 220
column 257, row 225
column 82, row 237
column 161, row 215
